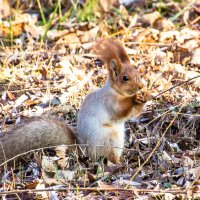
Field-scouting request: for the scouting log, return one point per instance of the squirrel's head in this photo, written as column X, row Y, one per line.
column 124, row 78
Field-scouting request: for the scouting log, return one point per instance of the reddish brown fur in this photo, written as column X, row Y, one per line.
column 122, row 109
column 110, row 49
column 127, row 107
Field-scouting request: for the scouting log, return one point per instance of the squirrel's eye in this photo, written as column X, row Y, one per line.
column 125, row 78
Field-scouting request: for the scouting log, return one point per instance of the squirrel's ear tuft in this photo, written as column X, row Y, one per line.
column 114, row 68
column 109, row 49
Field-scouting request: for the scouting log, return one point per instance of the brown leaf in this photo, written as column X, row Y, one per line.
column 31, row 185
column 43, row 72
column 30, row 102
column 10, row 96
column 168, row 36
column 91, row 178
column 17, row 28
column 163, row 24
column 56, row 34
column 195, row 172
column 41, row 185
column 71, row 40
column 150, row 18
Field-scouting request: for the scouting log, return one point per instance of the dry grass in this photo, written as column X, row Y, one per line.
column 161, row 158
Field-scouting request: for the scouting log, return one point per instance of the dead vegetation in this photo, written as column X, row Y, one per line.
column 46, row 67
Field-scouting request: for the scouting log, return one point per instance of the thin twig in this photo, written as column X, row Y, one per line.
column 69, row 145
column 195, row 20
column 182, row 83
column 95, row 189
column 150, row 44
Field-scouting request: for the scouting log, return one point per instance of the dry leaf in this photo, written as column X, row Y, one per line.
column 195, row 59
column 34, row 31
column 68, row 175
column 48, row 164
column 4, row 9
column 195, row 172
column 30, row 102
column 168, row 36
column 187, row 161
column 71, row 40
column 20, row 100
column 103, row 185
column 166, row 156
column 41, row 186
column 87, row 46
column 163, row 24
column 32, row 185
column 43, row 72
column 88, row 36
column 124, row 182
column 56, row 34
column 10, row 96
column 61, row 153
column 150, row 18
column 17, row 28
column 75, row 89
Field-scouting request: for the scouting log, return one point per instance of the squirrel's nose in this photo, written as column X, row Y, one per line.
column 140, row 85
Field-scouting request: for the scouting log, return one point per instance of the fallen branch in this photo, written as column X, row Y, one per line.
column 150, row 44
column 49, row 147
column 91, row 189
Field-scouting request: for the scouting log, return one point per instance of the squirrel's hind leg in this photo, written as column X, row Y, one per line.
column 115, row 155
column 115, row 151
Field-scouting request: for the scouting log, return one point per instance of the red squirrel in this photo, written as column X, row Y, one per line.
column 103, row 113
column 101, row 117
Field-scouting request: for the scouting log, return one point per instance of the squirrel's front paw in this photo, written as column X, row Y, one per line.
column 142, row 97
